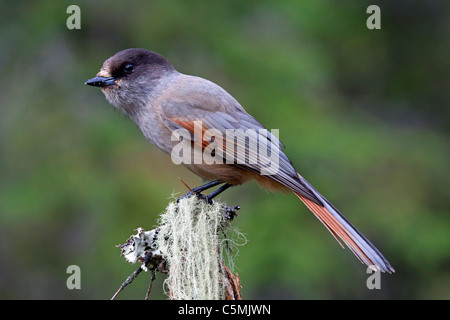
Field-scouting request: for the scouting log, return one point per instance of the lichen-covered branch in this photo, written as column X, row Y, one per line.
column 188, row 247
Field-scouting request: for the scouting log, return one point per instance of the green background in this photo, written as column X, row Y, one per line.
column 364, row 115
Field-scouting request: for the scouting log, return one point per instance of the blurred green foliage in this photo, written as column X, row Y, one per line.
column 364, row 115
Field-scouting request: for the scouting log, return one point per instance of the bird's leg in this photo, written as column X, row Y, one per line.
column 230, row 212
column 217, row 192
column 197, row 191
column 201, row 188
column 209, row 198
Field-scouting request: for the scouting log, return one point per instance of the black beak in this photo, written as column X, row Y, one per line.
column 100, row 81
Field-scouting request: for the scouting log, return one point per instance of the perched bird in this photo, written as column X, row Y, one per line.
column 166, row 104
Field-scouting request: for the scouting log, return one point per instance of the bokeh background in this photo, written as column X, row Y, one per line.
column 364, row 115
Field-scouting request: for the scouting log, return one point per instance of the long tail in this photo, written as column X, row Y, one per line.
column 342, row 229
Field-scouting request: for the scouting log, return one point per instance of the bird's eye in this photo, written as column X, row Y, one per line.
column 128, row 68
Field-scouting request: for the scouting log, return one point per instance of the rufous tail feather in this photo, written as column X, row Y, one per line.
column 342, row 229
